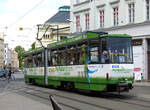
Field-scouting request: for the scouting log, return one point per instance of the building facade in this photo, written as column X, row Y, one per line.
column 56, row 28
column 10, row 58
column 6, row 60
column 1, row 50
column 117, row 16
column 14, row 60
column 7, row 56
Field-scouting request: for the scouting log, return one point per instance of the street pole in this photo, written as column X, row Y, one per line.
column 45, row 51
column 45, row 66
column 57, row 32
column 45, row 55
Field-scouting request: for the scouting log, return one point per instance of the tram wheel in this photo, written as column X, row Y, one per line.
column 67, row 85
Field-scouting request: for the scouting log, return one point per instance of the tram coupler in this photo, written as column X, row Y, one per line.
column 123, row 87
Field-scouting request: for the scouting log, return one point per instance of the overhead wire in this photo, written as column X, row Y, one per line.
column 20, row 18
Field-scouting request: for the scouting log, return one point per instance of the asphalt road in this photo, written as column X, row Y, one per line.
column 37, row 98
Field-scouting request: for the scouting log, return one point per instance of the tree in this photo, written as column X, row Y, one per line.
column 32, row 46
column 20, row 50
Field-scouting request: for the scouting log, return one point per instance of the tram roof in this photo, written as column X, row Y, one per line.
column 84, row 36
column 36, row 50
column 78, row 37
column 117, row 35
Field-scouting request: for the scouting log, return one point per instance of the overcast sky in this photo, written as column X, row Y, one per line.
column 26, row 14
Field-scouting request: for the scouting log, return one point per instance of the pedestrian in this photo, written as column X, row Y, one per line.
column 9, row 75
column 105, row 57
column 13, row 75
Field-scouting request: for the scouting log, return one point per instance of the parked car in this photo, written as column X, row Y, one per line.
column 17, row 70
column 3, row 73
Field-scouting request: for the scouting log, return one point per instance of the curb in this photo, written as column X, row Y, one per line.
column 142, row 84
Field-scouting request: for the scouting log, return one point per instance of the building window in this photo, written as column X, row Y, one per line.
column 148, row 42
column 131, row 13
column 115, row 16
column 77, row 23
column 102, row 18
column 87, row 21
column 46, row 36
column 147, row 9
column 137, row 42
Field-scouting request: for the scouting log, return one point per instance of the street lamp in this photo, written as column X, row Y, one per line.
column 45, row 48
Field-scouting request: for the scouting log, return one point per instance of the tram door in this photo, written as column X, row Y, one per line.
column 148, row 55
column 148, row 64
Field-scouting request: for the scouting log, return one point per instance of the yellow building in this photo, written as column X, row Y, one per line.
column 1, row 50
column 58, row 27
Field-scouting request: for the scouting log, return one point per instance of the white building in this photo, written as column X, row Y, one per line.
column 1, row 50
column 117, row 16
column 7, row 56
column 6, row 60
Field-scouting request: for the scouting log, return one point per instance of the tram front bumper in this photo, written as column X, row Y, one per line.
column 122, row 87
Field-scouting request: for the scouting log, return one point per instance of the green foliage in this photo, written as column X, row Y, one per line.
column 20, row 50
column 32, row 46
column 20, row 28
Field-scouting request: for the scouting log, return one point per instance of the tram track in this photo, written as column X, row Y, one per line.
column 133, row 97
column 131, row 103
column 117, row 98
column 68, row 98
column 47, row 99
column 96, row 105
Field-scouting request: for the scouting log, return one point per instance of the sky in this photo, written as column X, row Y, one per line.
column 26, row 14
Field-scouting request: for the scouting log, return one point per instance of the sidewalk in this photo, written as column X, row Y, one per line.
column 141, row 84
column 14, row 101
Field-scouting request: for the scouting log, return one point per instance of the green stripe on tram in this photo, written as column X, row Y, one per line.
column 99, row 84
column 38, row 79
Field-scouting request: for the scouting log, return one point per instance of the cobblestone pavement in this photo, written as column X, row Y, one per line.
column 10, row 99
column 16, row 95
column 142, row 83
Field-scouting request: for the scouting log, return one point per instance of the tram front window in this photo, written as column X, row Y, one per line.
column 120, row 50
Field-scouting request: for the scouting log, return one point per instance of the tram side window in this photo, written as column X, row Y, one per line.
column 26, row 61
column 61, row 56
column 71, row 55
column 54, row 55
column 49, row 58
column 82, row 53
column 39, row 60
column 94, row 51
column 104, row 51
column 34, row 60
column 30, row 62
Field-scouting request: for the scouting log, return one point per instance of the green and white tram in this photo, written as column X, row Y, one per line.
column 90, row 61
